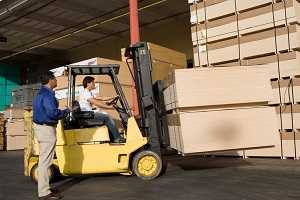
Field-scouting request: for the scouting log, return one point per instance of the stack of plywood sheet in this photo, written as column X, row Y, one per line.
column 264, row 33
column 2, row 132
column 235, row 31
column 220, row 109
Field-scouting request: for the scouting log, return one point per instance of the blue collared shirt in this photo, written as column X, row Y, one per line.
column 45, row 107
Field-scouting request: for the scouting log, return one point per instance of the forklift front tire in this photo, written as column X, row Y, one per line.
column 147, row 165
column 34, row 173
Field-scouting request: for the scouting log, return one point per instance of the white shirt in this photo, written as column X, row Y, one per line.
column 85, row 105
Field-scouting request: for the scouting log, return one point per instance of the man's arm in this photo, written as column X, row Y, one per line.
column 99, row 103
column 104, row 98
column 52, row 111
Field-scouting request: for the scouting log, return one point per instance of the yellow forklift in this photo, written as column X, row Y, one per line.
column 83, row 145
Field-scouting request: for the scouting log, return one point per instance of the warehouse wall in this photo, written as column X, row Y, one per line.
column 173, row 33
column 9, row 79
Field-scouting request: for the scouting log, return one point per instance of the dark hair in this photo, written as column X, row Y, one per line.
column 86, row 80
column 46, row 77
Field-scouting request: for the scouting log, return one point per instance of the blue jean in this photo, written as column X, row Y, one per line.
column 110, row 123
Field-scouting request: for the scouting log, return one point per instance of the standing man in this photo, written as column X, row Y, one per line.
column 45, row 117
column 88, row 100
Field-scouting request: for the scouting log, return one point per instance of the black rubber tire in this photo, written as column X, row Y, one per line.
column 156, row 168
column 52, row 172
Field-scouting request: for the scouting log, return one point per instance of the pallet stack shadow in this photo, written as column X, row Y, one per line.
column 255, row 33
column 211, row 111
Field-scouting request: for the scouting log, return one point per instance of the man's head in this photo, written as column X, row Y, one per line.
column 89, row 83
column 49, row 79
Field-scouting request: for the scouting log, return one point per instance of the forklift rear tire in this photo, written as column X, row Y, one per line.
column 147, row 165
column 52, row 173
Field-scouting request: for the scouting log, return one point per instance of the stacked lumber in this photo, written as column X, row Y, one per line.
column 2, row 132
column 263, row 33
column 219, row 109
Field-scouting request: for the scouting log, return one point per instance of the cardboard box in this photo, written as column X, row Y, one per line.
column 201, row 131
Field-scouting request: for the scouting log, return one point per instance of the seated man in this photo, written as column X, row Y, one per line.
column 88, row 100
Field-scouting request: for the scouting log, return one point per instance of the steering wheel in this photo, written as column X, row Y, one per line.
column 114, row 101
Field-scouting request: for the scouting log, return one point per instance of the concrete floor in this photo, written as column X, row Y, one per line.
column 189, row 179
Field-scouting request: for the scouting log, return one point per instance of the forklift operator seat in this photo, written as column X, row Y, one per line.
column 84, row 118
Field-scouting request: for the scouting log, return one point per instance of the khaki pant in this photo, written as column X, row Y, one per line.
column 46, row 136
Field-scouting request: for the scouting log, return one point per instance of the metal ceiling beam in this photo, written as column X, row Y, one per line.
column 41, row 32
column 62, row 22
column 39, row 51
column 84, row 9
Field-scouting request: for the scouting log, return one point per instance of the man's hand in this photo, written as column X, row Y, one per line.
column 113, row 101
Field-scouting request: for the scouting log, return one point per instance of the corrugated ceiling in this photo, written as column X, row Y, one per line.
column 28, row 23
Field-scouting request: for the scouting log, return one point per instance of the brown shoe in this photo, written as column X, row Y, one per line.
column 56, row 192
column 51, row 196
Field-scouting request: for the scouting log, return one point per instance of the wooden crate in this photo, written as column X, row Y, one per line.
column 225, row 129
column 204, row 87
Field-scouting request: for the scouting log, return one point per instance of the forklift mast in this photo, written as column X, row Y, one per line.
column 149, row 108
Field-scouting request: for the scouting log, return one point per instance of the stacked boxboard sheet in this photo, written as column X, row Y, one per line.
column 15, row 135
column 12, row 135
column 164, row 60
column 264, row 33
column 219, row 109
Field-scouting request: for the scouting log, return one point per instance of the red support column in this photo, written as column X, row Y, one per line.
column 134, row 38
column 134, row 21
